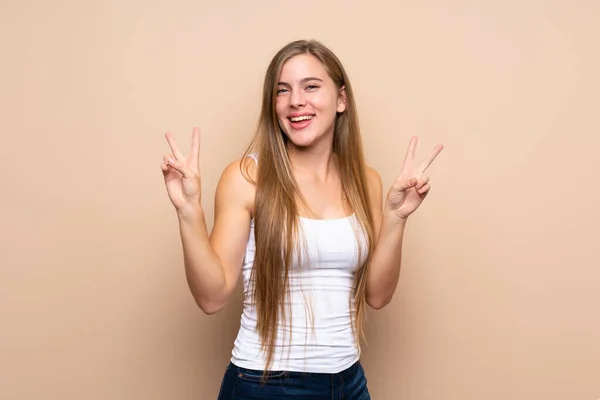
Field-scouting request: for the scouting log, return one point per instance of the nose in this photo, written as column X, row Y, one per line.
column 297, row 99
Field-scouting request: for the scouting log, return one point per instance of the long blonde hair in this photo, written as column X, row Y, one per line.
column 277, row 196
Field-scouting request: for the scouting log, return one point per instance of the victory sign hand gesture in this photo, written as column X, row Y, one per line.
column 411, row 186
column 182, row 174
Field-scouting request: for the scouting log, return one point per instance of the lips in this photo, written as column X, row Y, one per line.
column 300, row 121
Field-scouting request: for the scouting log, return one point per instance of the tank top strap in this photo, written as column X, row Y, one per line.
column 254, row 156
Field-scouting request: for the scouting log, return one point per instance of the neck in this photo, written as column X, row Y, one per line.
column 313, row 163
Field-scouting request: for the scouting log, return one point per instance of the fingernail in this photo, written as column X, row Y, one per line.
column 171, row 161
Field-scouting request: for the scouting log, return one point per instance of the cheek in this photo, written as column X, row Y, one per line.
column 281, row 108
column 326, row 105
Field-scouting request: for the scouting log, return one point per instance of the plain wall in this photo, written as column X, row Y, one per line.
column 499, row 292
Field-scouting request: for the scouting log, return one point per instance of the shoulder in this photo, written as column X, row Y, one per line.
column 373, row 180
column 236, row 183
column 375, row 188
column 240, row 172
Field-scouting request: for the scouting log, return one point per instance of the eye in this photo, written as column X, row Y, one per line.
column 281, row 90
column 312, row 87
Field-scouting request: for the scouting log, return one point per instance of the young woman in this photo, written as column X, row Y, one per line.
column 303, row 219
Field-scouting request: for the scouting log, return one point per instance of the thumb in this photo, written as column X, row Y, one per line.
column 180, row 167
column 403, row 184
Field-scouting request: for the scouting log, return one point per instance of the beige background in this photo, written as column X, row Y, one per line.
column 499, row 294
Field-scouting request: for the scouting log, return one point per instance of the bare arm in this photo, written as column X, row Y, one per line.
column 385, row 266
column 212, row 263
column 405, row 196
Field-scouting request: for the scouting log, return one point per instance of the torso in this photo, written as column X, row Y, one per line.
column 320, row 338
column 326, row 200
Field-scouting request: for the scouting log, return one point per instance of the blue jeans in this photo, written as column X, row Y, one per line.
column 245, row 384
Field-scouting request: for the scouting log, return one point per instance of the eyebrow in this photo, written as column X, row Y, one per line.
column 304, row 80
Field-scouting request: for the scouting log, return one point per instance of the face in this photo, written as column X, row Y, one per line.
column 307, row 101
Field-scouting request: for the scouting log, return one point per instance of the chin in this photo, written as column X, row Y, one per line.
column 304, row 137
column 301, row 139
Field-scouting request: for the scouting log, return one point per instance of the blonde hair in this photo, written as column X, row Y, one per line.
column 277, row 196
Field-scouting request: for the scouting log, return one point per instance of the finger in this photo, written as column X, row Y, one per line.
column 410, row 152
column 195, row 153
column 422, row 182
column 403, row 184
column 430, row 157
column 181, row 168
column 424, row 190
column 166, row 158
column 173, row 146
column 164, row 168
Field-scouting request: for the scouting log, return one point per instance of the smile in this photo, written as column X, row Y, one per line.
column 301, row 118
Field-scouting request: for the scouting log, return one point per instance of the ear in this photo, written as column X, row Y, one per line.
column 341, row 106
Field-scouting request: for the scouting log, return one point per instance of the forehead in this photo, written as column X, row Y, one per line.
column 302, row 66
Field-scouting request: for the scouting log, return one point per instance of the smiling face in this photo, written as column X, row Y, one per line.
column 308, row 101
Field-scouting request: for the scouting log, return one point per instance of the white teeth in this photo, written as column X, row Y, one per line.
column 302, row 118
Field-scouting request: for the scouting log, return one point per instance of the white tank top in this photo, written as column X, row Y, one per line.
column 322, row 340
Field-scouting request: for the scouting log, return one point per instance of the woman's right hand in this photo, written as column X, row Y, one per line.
column 182, row 175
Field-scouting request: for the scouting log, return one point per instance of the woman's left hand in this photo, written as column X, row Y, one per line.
column 411, row 186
